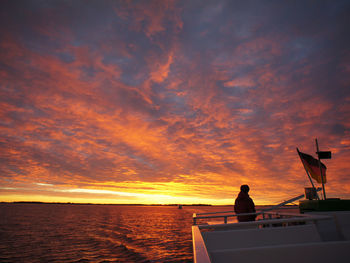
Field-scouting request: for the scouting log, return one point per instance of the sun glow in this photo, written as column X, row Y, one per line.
column 81, row 195
column 158, row 194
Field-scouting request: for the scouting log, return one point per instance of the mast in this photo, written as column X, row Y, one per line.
column 319, row 165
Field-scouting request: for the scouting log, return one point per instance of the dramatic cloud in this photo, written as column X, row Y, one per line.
column 171, row 101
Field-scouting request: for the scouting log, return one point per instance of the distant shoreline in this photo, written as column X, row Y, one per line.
column 69, row 203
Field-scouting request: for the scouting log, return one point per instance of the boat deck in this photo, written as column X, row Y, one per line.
column 274, row 237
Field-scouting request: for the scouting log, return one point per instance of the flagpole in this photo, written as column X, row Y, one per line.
column 313, row 186
column 318, row 198
column 319, row 165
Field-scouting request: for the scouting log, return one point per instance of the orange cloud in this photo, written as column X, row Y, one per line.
column 158, row 103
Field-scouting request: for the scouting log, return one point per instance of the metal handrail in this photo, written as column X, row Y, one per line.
column 306, row 218
column 195, row 217
column 263, row 213
column 219, row 212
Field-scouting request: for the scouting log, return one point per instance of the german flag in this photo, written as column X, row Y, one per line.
column 311, row 165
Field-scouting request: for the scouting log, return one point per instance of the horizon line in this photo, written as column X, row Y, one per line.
column 121, row 204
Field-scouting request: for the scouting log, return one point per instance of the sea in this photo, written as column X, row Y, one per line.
column 39, row 232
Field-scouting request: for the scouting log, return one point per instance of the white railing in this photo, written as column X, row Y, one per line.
column 232, row 213
column 263, row 217
column 224, row 215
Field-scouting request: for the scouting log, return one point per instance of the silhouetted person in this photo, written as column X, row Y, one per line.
column 244, row 204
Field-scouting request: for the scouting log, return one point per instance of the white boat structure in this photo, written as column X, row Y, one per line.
column 319, row 233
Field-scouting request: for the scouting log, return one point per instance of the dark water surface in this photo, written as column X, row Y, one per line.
column 97, row 233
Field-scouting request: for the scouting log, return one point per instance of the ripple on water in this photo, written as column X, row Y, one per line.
column 94, row 233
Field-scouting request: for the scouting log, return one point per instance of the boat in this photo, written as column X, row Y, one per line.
column 319, row 233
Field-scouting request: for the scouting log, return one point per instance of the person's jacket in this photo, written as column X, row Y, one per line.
column 244, row 204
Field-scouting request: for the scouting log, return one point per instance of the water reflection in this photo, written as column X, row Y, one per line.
column 95, row 233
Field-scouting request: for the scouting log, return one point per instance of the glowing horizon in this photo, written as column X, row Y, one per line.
column 166, row 102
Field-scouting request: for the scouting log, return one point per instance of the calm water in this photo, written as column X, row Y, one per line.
column 96, row 233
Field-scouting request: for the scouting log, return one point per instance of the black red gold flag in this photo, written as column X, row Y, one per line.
column 311, row 165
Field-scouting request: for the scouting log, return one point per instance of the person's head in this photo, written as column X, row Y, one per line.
column 245, row 188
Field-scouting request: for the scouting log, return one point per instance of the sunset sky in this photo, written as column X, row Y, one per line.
column 161, row 102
